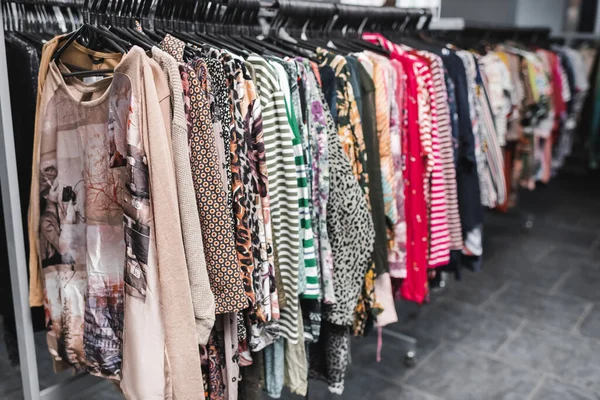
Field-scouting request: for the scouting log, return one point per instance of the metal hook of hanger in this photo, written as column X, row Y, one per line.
column 405, row 23
column 362, row 26
column 86, row 11
column 303, row 35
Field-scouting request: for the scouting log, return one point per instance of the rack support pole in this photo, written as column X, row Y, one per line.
column 14, row 235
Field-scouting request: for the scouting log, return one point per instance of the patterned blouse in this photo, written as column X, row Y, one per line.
column 211, row 196
column 283, row 189
column 317, row 129
column 351, row 135
column 488, row 193
column 417, row 149
column 382, row 78
column 352, row 238
column 397, row 247
column 348, row 118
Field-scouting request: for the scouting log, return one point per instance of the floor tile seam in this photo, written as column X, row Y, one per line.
column 561, row 280
column 575, row 335
column 537, row 387
column 423, row 362
column 401, row 385
column 586, row 312
column 507, row 363
column 566, row 227
column 462, row 302
column 558, row 294
column 558, row 245
column 19, row 390
column 579, row 220
column 586, row 251
column 530, row 285
column 512, row 335
column 540, row 256
column 538, row 236
column 494, row 296
column 502, row 360
column 581, row 253
column 578, row 260
column 422, row 392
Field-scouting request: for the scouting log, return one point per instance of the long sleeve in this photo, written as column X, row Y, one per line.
column 283, row 189
column 177, row 309
column 36, row 282
column 202, row 297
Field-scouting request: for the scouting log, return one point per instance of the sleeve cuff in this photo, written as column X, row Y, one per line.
column 203, row 328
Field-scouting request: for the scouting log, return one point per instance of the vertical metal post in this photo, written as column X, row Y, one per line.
column 583, row 9
column 14, row 235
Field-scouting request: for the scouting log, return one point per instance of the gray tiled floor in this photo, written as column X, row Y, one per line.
column 526, row 327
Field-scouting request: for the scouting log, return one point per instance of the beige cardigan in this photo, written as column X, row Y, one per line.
column 176, row 304
column 202, row 297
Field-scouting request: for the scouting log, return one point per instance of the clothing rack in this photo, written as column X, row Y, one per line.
column 496, row 32
column 499, row 32
column 303, row 16
column 352, row 16
column 60, row 3
column 571, row 38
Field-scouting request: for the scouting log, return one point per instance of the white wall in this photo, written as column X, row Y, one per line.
column 549, row 13
column 493, row 11
column 509, row 12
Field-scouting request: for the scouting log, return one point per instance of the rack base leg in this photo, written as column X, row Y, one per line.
column 410, row 358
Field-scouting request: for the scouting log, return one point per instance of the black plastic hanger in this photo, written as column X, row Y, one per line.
column 83, row 74
column 122, row 20
column 291, row 16
column 91, row 30
column 142, row 15
column 239, row 19
column 91, row 36
column 118, row 26
column 216, row 34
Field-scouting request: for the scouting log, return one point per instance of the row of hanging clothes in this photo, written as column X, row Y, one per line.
column 589, row 121
column 223, row 193
column 546, row 85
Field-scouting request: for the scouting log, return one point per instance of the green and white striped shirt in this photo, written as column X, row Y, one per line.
column 283, row 189
column 308, row 284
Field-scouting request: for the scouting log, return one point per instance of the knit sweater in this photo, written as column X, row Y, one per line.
column 182, row 361
column 202, row 297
